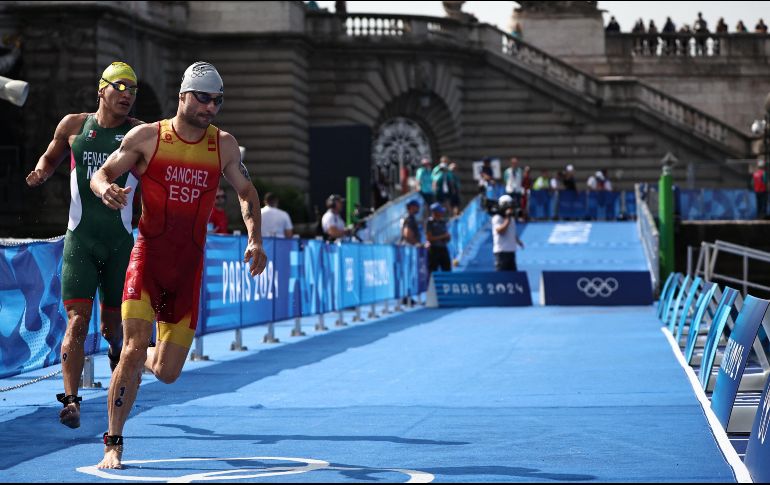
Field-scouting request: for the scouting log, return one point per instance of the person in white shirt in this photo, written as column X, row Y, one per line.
column 332, row 223
column 514, row 181
column 504, row 237
column 599, row 181
column 275, row 222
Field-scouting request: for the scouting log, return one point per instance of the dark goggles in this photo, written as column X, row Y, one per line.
column 120, row 87
column 206, row 98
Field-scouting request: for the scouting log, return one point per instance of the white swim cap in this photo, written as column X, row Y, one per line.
column 203, row 77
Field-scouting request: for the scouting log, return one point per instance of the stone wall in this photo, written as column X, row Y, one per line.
column 473, row 91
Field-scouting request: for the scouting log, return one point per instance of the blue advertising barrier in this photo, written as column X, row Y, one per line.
column 312, row 277
column 757, row 458
column 724, row 311
column 301, row 278
column 735, row 356
column 423, row 277
column 32, row 316
column 716, row 204
column 702, row 307
column 677, row 326
column 464, row 227
column 473, row 289
column 232, row 298
column 539, row 204
column 350, row 271
column 572, row 205
column 599, row 288
column 603, row 205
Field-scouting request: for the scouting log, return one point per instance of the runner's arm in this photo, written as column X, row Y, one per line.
column 57, row 150
column 236, row 173
column 129, row 156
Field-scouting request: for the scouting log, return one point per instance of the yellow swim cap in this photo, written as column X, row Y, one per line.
column 115, row 71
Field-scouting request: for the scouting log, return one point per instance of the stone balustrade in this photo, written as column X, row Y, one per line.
column 688, row 45
column 602, row 91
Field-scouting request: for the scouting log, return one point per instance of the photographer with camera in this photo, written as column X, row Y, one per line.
column 504, row 237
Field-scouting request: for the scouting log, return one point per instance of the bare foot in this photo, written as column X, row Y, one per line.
column 112, row 456
column 70, row 415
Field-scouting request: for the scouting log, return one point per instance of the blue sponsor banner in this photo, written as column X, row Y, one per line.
column 603, row 204
column 350, row 271
column 377, row 279
column 332, row 298
column 300, row 278
column 600, row 288
column 472, row 289
column 312, row 274
column 423, row 275
column 724, row 311
column 716, row 204
column 232, row 298
column 757, row 458
column 224, row 284
column 286, row 263
column 572, row 205
column 259, row 293
column 32, row 315
column 735, row 356
column 540, row 204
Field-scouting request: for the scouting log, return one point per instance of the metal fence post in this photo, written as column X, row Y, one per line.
column 373, row 312
column 745, row 274
column 340, row 320
column 197, row 353
column 319, row 326
column 87, row 380
column 689, row 260
column 357, row 316
column 269, row 337
column 297, row 330
column 237, row 344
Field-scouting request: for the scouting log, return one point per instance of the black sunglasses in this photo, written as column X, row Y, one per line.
column 206, row 98
column 119, row 86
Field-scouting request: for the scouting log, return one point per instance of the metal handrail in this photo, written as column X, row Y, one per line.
column 649, row 235
column 707, row 257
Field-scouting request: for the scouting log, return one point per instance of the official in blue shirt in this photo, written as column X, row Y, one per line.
column 438, row 236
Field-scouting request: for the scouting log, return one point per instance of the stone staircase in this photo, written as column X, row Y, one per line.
column 507, row 98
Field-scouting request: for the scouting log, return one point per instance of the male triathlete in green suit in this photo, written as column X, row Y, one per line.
column 99, row 240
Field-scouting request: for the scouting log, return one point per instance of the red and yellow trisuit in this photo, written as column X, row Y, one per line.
column 164, row 273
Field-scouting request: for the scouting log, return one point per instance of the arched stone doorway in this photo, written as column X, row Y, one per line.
column 399, row 145
column 147, row 107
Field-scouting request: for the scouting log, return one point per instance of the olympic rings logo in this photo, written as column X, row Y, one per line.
column 593, row 287
column 245, row 468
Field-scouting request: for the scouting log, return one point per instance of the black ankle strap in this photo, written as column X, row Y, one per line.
column 68, row 399
column 112, row 439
